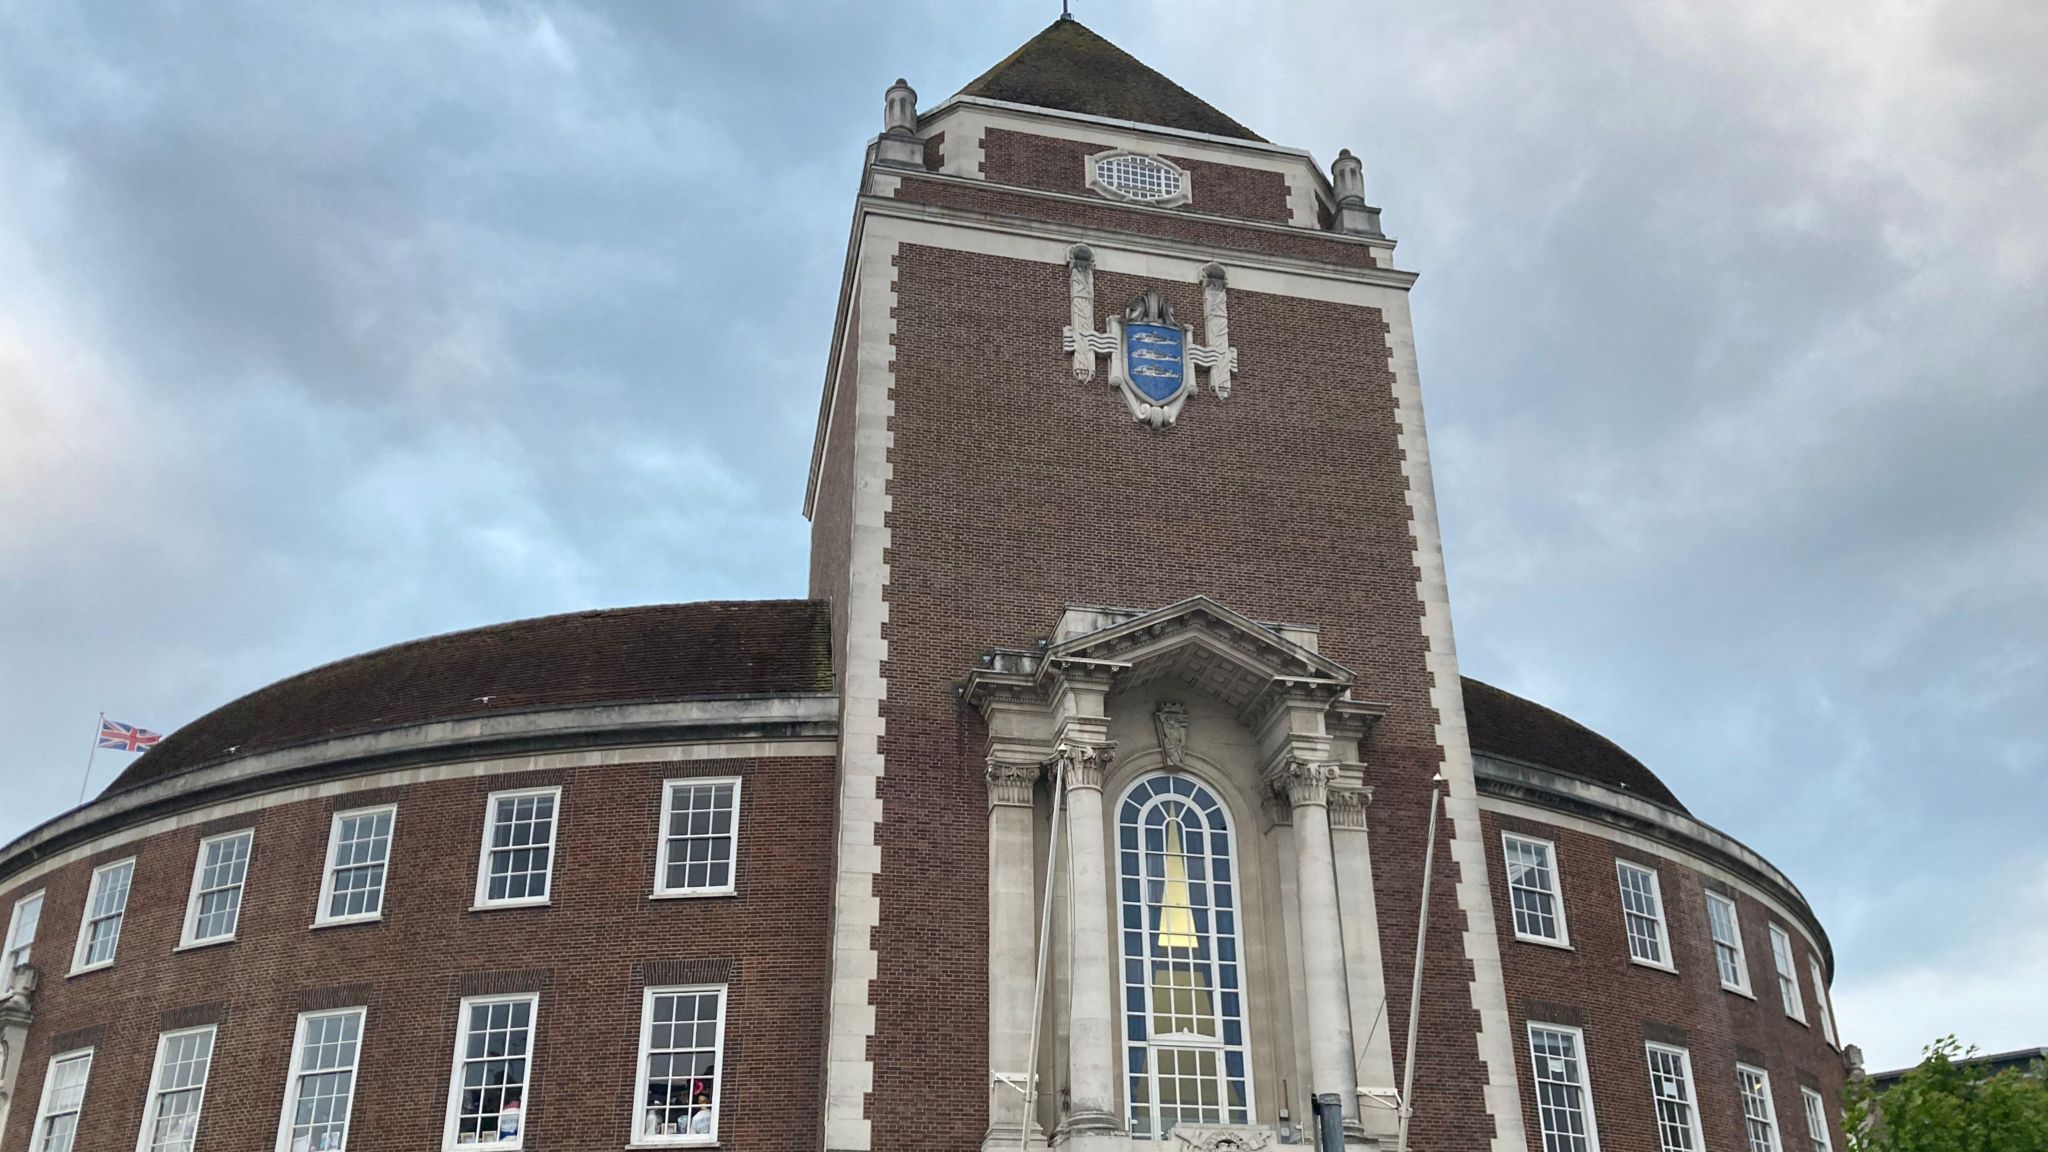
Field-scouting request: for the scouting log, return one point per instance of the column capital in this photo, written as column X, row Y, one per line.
column 1010, row 783
column 1087, row 764
column 1304, row 782
column 1347, row 807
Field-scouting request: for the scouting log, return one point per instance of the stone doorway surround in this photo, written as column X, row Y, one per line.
column 1295, row 736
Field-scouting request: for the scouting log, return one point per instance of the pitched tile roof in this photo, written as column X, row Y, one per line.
column 660, row 652
column 1507, row 725
column 1070, row 68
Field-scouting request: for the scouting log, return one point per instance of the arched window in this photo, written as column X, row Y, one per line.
column 1184, row 1037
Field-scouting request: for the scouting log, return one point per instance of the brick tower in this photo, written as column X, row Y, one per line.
column 1122, row 500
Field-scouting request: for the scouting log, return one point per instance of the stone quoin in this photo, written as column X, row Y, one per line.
column 1084, row 804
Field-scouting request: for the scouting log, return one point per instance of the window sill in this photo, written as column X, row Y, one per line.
column 677, row 1142
column 1800, row 1020
column 1653, row 966
column 1743, row 992
column 196, row 945
column 692, row 894
column 1560, row 945
column 505, row 905
column 99, row 967
column 347, row 921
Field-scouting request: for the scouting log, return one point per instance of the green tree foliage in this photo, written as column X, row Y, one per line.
column 1948, row 1105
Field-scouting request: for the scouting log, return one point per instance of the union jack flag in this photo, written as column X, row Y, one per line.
column 126, row 737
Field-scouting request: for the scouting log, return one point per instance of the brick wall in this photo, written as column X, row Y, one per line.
column 832, row 509
column 1054, row 164
column 1621, row 1004
column 588, row 954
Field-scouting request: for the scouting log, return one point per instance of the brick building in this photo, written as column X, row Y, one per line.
column 1086, row 802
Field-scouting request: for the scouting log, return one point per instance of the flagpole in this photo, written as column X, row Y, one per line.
column 97, row 725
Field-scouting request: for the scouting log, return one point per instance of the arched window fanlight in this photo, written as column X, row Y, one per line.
column 1184, row 1020
column 1136, row 176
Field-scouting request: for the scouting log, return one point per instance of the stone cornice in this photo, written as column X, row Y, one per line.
column 1541, row 787
column 766, row 719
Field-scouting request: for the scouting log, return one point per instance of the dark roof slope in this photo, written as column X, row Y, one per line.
column 1507, row 725
column 1072, row 69
column 655, row 653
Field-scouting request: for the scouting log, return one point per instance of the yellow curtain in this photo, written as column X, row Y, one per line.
column 1176, row 915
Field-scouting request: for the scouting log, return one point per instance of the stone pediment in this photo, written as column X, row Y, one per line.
column 1240, row 662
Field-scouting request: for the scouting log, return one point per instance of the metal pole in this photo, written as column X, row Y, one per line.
column 1415, row 992
column 1052, row 856
column 96, row 726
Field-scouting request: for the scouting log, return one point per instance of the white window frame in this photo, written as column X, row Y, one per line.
column 154, row 1100
column 85, row 921
column 732, row 874
column 1770, row 1116
column 296, row 1072
column 18, row 940
column 1741, row 953
column 1563, row 939
column 1585, row 1081
column 36, row 1135
column 1184, row 190
column 188, row 936
column 1668, row 963
column 685, row 1139
column 1787, row 967
column 1692, row 1094
column 1820, row 1000
column 483, row 860
column 454, row 1116
column 1816, row 1120
column 321, row 918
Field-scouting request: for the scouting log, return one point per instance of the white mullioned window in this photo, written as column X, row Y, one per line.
column 1533, row 889
column 682, row 1045
column 517, row 864
column 106, row 905
column 1788, row 974
column 699, row 837
column 215, row 908
column 56, row 1126
column 1726, row 928
column 1820, row 1001
column 358, row 861
column 487, row 1091
column 1136, row 176
column 21, row 937
column 177, row 1089
column 1675, row 1102
column 1564, row 1101
column 1759, row 1115
column 1186, row 1055
column 1642, row 914
column 1816, row 1121
column 320, row 1087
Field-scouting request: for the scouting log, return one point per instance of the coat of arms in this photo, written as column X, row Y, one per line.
column 1152, row 357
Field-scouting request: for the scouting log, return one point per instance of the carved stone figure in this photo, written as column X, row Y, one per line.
column 1171, row 722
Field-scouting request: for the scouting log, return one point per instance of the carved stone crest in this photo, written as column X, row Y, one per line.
column 1170, row 720
column 1153, row 358
column 1222, row 1139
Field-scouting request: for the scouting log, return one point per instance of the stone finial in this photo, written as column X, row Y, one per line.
column 899, row 143
column 1347, row 178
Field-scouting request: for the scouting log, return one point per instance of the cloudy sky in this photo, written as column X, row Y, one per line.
column 327, row 326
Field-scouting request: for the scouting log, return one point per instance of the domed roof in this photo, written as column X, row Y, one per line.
column 656, row 653
column 1506, row 725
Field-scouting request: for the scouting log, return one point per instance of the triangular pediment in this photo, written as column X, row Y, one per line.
column 1223, row 653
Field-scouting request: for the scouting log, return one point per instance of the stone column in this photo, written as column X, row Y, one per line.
column 1091, row 1120
column 1012, row 946
column 1365, row 972
column 1306, row 787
